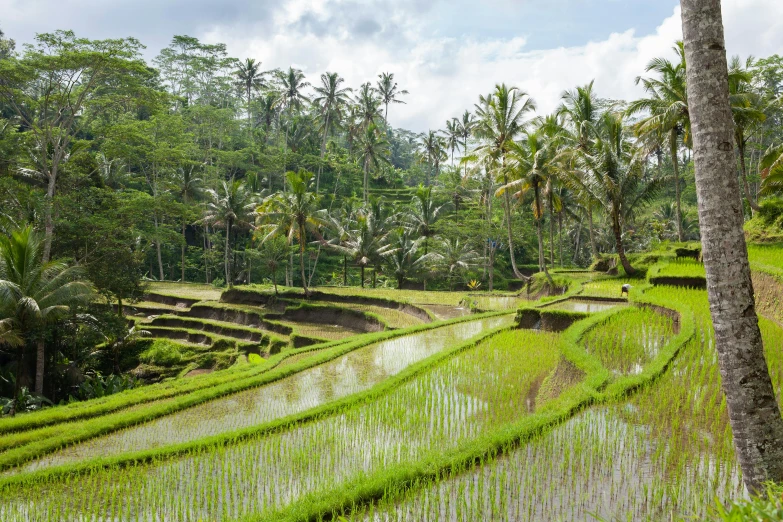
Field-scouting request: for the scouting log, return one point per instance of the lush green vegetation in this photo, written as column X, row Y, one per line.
column 234, row 294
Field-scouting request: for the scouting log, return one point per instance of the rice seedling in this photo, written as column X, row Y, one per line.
column 478, row 389
column 682, row 267
column 349, row 374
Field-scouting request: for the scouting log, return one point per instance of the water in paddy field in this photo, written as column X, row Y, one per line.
column 444, row 312
column 351, row 373
column 585, row 306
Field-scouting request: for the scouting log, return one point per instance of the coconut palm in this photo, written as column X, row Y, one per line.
column 389, row 92
column 451, row 136
column 613, row 175
column 189, row 188
column 363, row 242
column 747, row 107
column 230, row 208
column 771, row 167
column 466, row 126
column 374, row 152
column 368, row 105
column 666, row 109
column 403, row 255
column 330, row 99
column 292, row 98
column 249, row 79
column 532, row 164
column 580, row 111
column 501, row 119
column 752, row 407
column 432, row 152
column 423, row 215
column 34, row 295
column 293, row 215
column 453, row 258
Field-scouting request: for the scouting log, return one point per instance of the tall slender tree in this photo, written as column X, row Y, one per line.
column 753, row 409
column 331, row 99
column 389, row 92
column 374, row 152
column 250, row 80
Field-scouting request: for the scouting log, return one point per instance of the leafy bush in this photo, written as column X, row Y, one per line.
column 162, row 353
column 99, row 386
column 25, row 401
column 764, row 508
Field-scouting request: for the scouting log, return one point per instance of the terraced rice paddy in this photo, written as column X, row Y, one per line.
column 482, row 387
column 430, row 426
column 354, row 372
column 583, row 306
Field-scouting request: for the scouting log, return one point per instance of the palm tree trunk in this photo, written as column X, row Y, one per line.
column 539, row 233
column 39, row 366
column 754, row 207
column 302, row 239
column 560, row 235
column 618, row 238
column 362, row 269
column 753, row 411
column 48, row 216
column 157, row 250
column 227, row 259
column 507, row 210
column 593, row 248
column 578, row 242
column 366, row 179
column 184, row 248
column 206, row 254
column 323, row 153
column 675, row 163
column 551, row 229
column 345, row 271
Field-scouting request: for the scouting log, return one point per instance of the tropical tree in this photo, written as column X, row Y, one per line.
column 291, row 97
column 614, row 177
column 403, row 256
column 274, row 254
column 753, row 409
column 231, row 208
column 452, row 135
column 47, row 90
column 666, row 110
column 331, row 100
column 249, row 79
column 424, row 213
column 466, row 126
column 363, row 242
column 533, row 163
column 771, row 166
column 34, row 295
column 580, row 110
column 748, row 109
column 389, row 92
column 432, row 151
column 453, row 258
column 501, row 119
column 368, row 105
column 293, row 215
column 374, row 152
column 189, row 188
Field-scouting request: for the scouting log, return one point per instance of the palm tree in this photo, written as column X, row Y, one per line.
column 293, row 215
column 387, row 88
column 466, row 126
column 500, row 121
column 534, row 162
column 291, row 97
column 667, row 112
column 33, row 295
column 432, row 150
column 374, row 152
column 330, row 99
column 747, row 107
column 249, row 79
column 403, row 256
column 451, row 136
column 614, row 178
column 453, row 258
column 189, row 188
column 230, row 209
column 368, row 105
column 753, row 409
column 423, row 215
column 771, row 167
column 363, row 242
column 580, row 110
column 274, row 254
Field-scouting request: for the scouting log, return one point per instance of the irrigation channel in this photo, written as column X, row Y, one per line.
column 354, row 372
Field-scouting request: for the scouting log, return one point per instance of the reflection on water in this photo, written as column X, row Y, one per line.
column 349, row 374
column 444, row 312
column 584, row 306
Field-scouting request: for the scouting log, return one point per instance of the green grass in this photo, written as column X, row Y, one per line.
column 186, row 290
column 682, row 268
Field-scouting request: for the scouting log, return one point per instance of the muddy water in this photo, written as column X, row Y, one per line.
column 584, row 306
column 349, row 374
column 444, row 312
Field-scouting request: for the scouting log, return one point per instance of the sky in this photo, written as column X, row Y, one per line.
column 445, row 52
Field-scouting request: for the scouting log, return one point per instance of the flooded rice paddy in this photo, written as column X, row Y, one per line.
column 354, row 372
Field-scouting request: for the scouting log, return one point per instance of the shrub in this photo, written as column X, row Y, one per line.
column 162, row 353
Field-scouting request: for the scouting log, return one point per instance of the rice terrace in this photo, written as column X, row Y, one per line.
column 237, row 293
